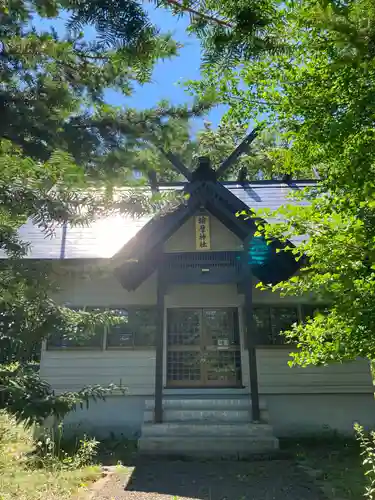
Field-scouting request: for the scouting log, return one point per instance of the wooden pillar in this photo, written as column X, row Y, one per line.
column 250, row 334
column 158, row 415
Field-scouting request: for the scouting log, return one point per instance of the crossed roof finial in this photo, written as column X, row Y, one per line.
column 204, row 171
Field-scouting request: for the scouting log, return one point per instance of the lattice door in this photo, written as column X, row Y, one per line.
column 203, row 348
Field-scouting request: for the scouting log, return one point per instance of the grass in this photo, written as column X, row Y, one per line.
column 37, row 485
column 334, row 460
column 21, row 479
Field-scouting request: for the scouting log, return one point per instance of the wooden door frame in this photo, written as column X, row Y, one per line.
column 214, row 348
column 204, row 347
column 181, row 348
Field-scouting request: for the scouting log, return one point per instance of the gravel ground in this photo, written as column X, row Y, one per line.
column 162, row 480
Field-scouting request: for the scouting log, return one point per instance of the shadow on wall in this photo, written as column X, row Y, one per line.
column 118, row 415
column 102, row 433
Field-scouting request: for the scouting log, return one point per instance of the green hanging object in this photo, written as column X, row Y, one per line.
column 259, row 251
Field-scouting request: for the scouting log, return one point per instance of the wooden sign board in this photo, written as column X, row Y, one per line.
column 202, row 232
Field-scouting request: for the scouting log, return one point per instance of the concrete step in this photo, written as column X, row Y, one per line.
column 196, row 430
column 201, row 410
column 202, row 416
column 214, row 403
column 207, row 447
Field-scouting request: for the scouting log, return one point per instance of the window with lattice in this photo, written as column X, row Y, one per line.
column 139, row 329
column 309, row 311
column 270, row 321
column 76, row 339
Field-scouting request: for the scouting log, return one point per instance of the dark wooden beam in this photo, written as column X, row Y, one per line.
column 63, row 239
column 153, row 180
column 177, row 163
column 158, row 415
column 241, row 148
column 250, row 337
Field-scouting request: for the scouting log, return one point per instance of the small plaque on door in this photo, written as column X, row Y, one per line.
column 223, row 342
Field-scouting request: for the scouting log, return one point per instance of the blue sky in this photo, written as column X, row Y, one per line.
column 167, row 74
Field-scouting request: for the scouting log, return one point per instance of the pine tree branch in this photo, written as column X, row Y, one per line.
column 255, row 101
column 205, row 17
column 94, row 57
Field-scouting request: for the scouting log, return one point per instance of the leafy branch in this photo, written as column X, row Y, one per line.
column 183, row 7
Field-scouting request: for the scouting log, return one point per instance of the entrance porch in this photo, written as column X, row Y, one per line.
column 204, row 405
column 204, row 322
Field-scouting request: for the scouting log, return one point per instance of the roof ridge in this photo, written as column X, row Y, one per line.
column 259, row 184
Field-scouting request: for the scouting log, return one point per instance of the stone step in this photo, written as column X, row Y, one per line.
column 207, row 447
column 213, row 416
column 196, row 430
column 198, row 410
column 214, row 403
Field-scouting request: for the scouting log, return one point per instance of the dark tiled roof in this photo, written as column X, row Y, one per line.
column 107, row 236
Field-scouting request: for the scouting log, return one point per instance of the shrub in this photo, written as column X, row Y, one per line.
column 53, row 452
column 32, row 400
column 29, row 471
column 367, row 444
column 50, row 452
column 15, row 442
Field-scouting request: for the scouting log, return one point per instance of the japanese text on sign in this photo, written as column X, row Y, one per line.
column 202, row 232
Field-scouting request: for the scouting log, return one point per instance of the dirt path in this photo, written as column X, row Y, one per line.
column 271, row 480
